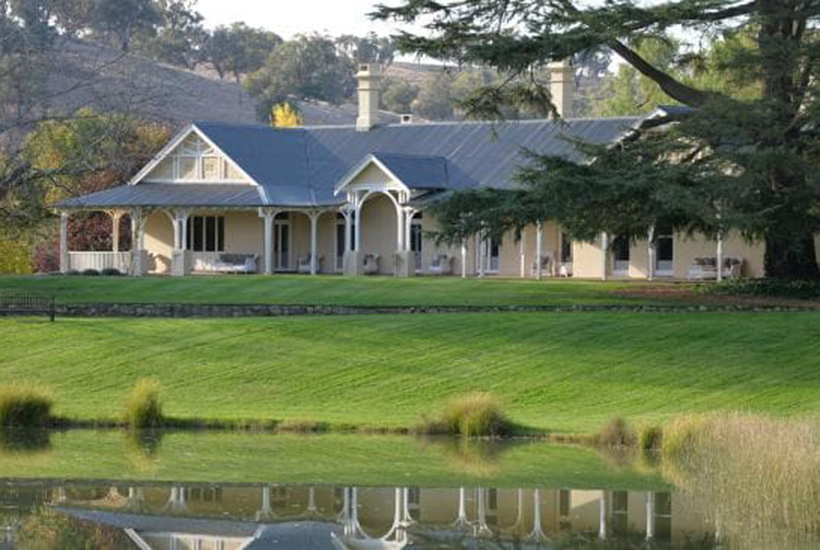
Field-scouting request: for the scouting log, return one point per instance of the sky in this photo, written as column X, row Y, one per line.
column 290, row 17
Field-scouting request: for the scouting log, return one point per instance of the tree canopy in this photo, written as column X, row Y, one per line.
column 742, row 158
column 309, row 66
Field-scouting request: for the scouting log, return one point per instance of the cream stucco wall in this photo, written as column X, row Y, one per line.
column 159, row 242
column 244, row 234
column 379, row 230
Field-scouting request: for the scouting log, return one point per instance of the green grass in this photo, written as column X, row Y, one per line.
column 326, row 459
column 551, row 371
column 324, row 290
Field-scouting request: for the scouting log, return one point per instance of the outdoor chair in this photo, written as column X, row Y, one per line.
column 304, row 263
column 706, row 268
column 546, row 266
column 441, row 264
column 371, row 264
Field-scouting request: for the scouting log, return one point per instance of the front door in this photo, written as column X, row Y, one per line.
column 281, row 244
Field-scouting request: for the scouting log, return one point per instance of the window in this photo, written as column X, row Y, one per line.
column 340, row 242
column 206, row 233
column 210, row 169
column 620, row 512
column 663, row 517
column 564, row 502
column 620, row 254
column 187, row 168
column 664, row 251
column 566, row 249
column 281, row 242
column 416, row 238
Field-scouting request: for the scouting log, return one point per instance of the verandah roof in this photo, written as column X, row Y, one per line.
column 169, row 194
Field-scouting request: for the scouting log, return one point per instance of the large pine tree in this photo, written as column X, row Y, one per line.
column 732, row 162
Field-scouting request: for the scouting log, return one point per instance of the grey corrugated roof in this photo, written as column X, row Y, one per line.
column 300, row 167
column 170, row 194
column 416, row 171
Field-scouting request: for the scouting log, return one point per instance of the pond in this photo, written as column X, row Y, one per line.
column 231, row 491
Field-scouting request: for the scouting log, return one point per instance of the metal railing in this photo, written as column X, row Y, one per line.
column 19, row 303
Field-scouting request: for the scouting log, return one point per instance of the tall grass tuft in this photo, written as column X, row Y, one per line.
column 24, row 406
column 144, row 408
column 475, row 414
column 616, row 433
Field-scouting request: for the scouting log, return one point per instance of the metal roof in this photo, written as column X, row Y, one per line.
column 416, row 171
column 170, row 194
column 300, row 167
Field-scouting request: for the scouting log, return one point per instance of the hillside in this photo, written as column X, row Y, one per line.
column 86, row 74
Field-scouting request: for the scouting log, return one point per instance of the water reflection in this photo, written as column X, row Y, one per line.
column 234, row 517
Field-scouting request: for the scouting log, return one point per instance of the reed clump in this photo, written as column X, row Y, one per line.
column 24, row 406
column 759, row 476
column 143, row 409
column 476, row 414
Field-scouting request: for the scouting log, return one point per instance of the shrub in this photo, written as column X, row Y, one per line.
column 90, row 272
column 472, row 415
column 144, row 408
column 24, row 406
column 111, row 272
column 616, row 433
column 766, row 288
column 650, row 438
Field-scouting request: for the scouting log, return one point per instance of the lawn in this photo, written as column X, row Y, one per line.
column 553, row 371
column 324, row 290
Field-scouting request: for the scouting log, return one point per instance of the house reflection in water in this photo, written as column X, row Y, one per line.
column 234, row 517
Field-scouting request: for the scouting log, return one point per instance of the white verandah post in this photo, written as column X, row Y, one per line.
column 116, row 217
column 314, row 239
column 64, row 267
column 650, row 270
column 719, row 256
column 539, row 245
column 604, row 254
column 269, row 217
column 522, row 253
column 463, row 260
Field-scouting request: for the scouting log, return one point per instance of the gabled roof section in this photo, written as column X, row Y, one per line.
column 411, row 171
column 416, row 171
column 176, row 142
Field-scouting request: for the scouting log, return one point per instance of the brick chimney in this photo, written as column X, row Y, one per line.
column 368, row 91
column 562, row 86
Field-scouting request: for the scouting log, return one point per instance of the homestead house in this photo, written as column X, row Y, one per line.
column 224, row 197
column 379, row 518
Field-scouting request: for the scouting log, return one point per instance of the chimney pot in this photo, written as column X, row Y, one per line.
column 368, row 94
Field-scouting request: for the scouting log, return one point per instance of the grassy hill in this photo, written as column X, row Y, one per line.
column 564, row 372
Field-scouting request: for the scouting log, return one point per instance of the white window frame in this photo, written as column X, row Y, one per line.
column 669, row 269
column 416, row 222
column 621, row 267
column 278, row 265
column 219, row 220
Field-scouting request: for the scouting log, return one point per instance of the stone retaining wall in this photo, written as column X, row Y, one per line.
column 266, row 310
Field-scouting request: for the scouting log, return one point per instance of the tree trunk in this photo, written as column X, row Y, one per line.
column 791, row 257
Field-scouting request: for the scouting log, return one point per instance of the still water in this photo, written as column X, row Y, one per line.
column 87, row 489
